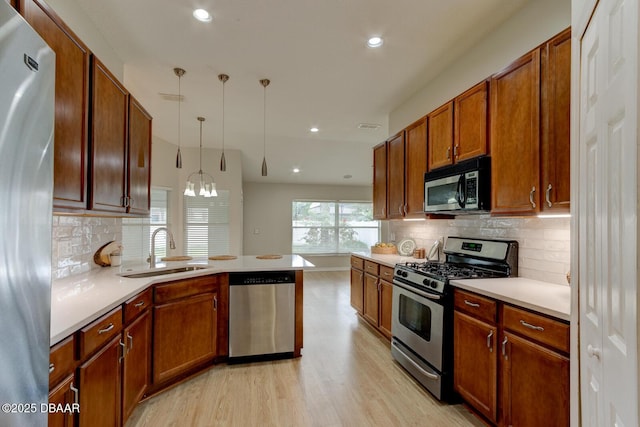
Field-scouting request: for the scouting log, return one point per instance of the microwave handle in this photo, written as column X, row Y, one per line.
column 460, row 191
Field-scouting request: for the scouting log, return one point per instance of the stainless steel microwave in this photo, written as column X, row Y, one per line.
column 460, row 188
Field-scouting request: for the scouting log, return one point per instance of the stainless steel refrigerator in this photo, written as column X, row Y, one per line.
column 27, row 84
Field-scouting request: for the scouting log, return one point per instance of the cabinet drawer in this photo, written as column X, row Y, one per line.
column 386, row 273
column 185, row 288
column 99, row 332
column 137, row 305
column 357, row 262
column 371, row 267
column 62, row 360
column 478, row 306
column 540, row 328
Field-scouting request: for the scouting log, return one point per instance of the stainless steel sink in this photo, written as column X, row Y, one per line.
column 153, row 273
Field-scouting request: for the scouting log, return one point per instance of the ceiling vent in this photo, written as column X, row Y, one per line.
column 171, row 97
column 369, row 126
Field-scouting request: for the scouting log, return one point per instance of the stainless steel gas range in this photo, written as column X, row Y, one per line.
column 422, row 310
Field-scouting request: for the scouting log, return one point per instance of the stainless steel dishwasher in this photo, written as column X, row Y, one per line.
column 261, row 315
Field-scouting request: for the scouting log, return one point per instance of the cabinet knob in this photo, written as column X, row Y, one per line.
column 594, row 351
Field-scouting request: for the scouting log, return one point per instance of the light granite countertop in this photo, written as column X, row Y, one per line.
column 79, row 300
column 547, row 298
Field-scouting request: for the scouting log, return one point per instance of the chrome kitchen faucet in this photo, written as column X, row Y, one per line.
column 172, row 245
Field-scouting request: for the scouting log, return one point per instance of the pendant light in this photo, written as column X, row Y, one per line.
column 264, row 83
column 179, row 72
column 223, row 161
column 207, row 189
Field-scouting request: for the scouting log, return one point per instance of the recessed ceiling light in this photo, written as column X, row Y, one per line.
column 202, row 15
column 370, row 126
column 375, row 42
column 296, row 170
column 314, row 130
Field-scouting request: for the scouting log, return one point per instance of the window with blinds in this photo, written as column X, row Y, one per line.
column 332, row 227
column 206, row 226
column 136, row 232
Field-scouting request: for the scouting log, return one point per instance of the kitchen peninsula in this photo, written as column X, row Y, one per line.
column 131, row 337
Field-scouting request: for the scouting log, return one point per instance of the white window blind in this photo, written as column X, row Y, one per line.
column 332, row 227
column 136, row 232
column 206, row 227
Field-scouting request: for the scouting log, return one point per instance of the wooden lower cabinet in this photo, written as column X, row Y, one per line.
column 136, row 372
column 357, row 290
column 510, row 364
column 386, row 299
column 63, row 396
column 371, row 292
column 475, row 363
column 184, row 336
column 99, row 380
column 535, row 384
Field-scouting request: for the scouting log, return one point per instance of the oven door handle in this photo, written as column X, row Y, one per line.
column 415, row 365
column 417, row 291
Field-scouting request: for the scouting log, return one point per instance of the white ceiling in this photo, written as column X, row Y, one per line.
column 313, row 51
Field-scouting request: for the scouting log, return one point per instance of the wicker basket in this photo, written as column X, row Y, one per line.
column 389, row 251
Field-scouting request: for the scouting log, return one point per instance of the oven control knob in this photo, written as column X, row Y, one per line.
column 434, row 284
column 404, row 273
column 426, row 282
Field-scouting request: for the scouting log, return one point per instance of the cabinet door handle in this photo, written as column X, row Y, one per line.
column 52, row 367
column 130, row 342
column 138, row 304
column 131, row 200
column 456, row 154
column 105, row 330
column 471, row 304
column 448, row 153
column 548, row 195
column 75, row 393
column 531, row 193
column 489, row 343
column 123, row 348
column 215, row 303
column 593, row 351
column 504, row 348
column 400, row 209
column 405, row 209
column 530, row 326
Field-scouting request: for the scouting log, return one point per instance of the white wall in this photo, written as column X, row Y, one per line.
column 267, row 209
column 536, row 22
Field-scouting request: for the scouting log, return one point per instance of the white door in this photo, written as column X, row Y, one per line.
column 607, row 212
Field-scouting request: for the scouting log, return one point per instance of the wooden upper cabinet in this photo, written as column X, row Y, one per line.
column 415, row 167
column 471, row 124
column 110, row 105
column 14, row 3
column 515, row 137
column 71, row 101
column 380, row 181
column 556, row 100
column 395, row 176
column 441, row 136
column 139, row 159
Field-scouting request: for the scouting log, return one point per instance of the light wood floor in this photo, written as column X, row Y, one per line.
column 346, row 377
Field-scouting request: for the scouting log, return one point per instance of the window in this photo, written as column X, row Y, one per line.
column 206, row 227
column 333, row 227
column 136, row 232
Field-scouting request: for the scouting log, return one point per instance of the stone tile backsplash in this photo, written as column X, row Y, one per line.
column 76, row 239
column 544, row 243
